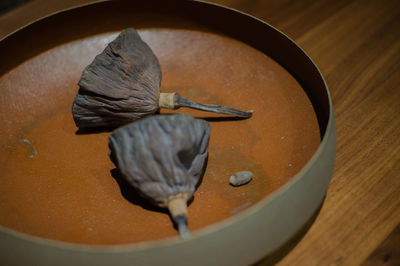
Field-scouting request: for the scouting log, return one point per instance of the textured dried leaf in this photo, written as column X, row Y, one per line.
column 121, row 85
column 162, row 156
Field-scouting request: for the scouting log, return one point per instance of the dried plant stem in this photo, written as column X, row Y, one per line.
column 178, row 210
column 174, row 101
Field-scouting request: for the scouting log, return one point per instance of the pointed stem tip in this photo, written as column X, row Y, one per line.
column 181, row 223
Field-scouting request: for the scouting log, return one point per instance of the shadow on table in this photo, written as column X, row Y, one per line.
column 8, row 5
column 277, row 255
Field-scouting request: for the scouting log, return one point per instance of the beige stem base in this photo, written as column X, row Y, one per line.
column 178, row 206
column 167, row 101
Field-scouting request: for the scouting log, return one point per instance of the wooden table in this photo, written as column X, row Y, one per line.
column 356, row 44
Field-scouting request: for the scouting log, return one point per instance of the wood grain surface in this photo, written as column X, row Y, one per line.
column 356, row 44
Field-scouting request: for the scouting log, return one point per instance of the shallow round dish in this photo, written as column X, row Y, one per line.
column 62, row 203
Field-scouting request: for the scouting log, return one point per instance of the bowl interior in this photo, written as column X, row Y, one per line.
column 59, row 184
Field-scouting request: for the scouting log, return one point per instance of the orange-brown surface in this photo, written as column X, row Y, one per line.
column 69, row 192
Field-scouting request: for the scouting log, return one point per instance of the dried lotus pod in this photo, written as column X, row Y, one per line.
column 122, row 84
column 163, row 158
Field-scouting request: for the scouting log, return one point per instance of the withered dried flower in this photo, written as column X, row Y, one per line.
column 163, row 158
column 122, row 84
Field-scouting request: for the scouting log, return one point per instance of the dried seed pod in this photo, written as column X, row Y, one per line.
column 163, row 157
column 122, row 84
column 240, row 178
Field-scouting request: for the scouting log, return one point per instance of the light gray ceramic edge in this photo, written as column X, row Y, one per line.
column 293, row 204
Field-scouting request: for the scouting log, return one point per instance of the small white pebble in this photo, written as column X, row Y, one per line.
column 240, row 178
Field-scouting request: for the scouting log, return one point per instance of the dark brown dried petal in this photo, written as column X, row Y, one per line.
column 121, row 85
